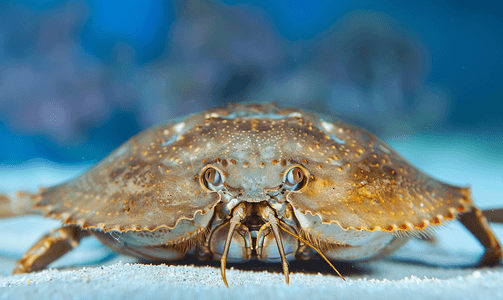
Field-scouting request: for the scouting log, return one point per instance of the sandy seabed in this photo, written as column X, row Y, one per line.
column 136, row 281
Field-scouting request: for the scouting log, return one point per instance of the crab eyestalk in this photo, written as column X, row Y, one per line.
column 238, row 214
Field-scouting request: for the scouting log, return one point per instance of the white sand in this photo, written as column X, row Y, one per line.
column 135, row 281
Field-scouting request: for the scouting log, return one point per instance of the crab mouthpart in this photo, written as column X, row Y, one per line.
column 254, row 198
column 238, row 215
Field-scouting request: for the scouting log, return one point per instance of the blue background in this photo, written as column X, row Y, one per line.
column 78, row 78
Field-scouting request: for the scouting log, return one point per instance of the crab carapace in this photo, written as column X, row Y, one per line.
column 239, row 183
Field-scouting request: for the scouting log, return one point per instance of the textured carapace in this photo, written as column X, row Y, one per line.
column 353, row 178
column 249, row 182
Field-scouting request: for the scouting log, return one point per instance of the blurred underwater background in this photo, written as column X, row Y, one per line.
column 78, row 78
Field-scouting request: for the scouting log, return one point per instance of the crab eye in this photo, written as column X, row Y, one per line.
column 294, row 179
column 212, row 177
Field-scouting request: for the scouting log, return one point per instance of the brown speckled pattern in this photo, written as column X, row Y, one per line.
column 355, row 179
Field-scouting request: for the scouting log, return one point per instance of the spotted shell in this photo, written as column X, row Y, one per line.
column 355, row 180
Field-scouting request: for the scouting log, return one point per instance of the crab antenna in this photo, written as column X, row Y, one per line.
column 319, row 252
column 237, row 216
column 274, row 225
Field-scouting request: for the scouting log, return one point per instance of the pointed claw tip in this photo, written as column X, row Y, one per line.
column 225, row 282
column 222, row 272
column 224, row 279
column 286, row 272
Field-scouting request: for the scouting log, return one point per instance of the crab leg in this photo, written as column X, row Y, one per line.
column 494, row 215
column 6, row 210
column 275, row 230
column 18, row 206
column 238, row 214
column 49, row 248
column 476, row 223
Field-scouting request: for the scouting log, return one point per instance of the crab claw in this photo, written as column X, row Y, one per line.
column 238, row 214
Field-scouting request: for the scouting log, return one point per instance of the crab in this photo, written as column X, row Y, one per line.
column 246, row 182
